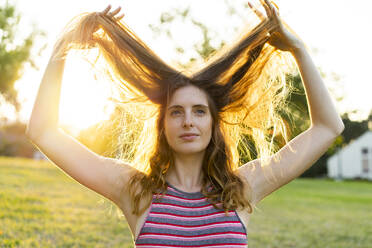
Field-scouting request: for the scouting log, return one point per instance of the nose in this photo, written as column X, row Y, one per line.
column 187, row 121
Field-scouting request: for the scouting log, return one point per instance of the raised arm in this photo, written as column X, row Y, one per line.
column 45, row 111
column 103, row 175
column 302, row 151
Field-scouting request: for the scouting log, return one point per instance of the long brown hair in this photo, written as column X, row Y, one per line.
column 245, row 85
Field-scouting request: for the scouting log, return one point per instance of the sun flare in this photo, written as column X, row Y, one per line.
column 83, row 97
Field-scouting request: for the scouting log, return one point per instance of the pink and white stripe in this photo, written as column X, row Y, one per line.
column 192, row 228
column 210, row 236
column 226, row 245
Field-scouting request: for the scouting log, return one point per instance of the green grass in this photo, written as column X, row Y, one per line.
column 40, row 206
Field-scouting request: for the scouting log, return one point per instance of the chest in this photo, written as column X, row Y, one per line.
column 188, row 217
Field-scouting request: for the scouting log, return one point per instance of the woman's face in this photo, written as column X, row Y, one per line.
column 188, row 121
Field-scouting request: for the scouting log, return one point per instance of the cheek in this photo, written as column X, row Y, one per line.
column 169, row 128
column 208, row 127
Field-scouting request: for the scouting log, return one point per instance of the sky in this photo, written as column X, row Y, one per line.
column 336, row 32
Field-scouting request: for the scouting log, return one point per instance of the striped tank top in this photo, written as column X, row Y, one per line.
column 184, row 219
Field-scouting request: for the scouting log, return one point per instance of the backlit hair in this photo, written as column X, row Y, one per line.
column 245, row 84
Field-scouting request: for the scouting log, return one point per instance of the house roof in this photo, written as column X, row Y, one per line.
column 365, row 136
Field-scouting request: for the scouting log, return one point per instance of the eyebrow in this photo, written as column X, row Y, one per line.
column 197, row 105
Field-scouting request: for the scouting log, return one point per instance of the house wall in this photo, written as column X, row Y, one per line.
column 350, row 159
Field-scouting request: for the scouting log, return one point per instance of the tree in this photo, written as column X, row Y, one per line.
column 298, row 120
column 13, row 56
column 203, row 48
column 354, row 129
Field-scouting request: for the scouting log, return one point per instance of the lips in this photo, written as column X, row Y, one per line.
column 188, row 135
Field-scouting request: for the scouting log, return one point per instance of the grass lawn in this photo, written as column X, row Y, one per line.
column 40, row 206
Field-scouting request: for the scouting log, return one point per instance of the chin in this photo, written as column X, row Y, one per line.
column 189, row 150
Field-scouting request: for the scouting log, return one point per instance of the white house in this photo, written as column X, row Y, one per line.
column 354, row 160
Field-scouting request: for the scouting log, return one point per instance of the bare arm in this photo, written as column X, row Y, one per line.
column 105, row 176
column 302, row 151
column 44, row 114
column 45, row 111
column 322, row 109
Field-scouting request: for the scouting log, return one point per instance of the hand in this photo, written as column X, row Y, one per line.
column 60, row 50
column 281, row 37
column 112, row 14
column 105, row 12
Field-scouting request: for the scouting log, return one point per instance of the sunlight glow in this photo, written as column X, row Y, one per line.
column 83, row 98
column 330, row 33
column 7, row 111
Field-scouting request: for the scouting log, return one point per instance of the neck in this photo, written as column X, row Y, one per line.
column 187, row 171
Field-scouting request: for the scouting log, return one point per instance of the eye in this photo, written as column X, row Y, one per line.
column 175, row 112
column 200, row 111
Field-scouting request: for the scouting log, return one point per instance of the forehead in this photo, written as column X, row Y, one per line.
column 188, row 95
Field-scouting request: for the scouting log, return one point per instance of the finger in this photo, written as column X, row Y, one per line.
column 104, row 12
column 256, row 11
column 271, row 4
column 115, row 12
column 267, row 8
column 120, row 17
column 276, row 12
column 276, row 6
column 268, row 2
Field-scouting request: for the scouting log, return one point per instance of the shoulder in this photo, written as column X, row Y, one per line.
column 125, row 174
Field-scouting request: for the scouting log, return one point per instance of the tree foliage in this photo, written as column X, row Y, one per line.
column 298, row 121
column 13, row 56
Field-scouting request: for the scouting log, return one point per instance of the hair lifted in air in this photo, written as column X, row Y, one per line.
column 245, row 84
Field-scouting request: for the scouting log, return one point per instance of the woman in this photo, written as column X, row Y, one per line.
column 190, row 147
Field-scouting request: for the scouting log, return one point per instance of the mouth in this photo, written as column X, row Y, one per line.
column 189, row 136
